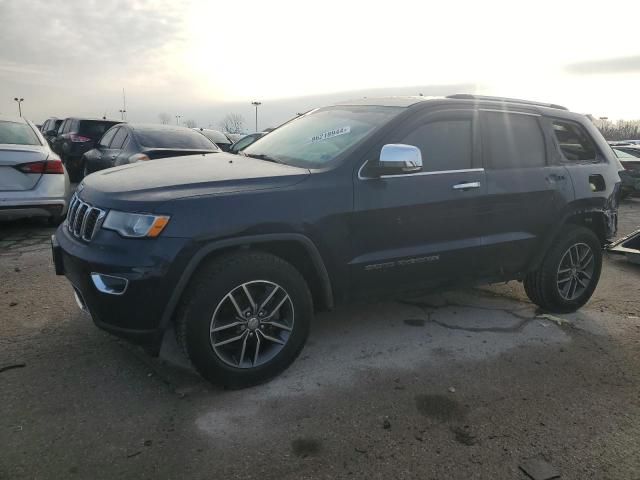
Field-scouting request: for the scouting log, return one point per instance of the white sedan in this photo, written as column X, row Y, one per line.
column 33, row 181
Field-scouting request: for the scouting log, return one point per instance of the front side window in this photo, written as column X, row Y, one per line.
column 445, row 144
column 574, row 141
column 316, row 139
column 93, row 128
column 512, row 141
column 14, row 133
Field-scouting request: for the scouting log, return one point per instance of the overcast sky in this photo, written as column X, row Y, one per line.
column 203, row 59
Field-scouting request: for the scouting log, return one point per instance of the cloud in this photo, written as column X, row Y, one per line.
column 82, row 34
column 619, row 65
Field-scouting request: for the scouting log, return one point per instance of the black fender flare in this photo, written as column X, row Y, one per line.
column 553, row 232
column 211, row 247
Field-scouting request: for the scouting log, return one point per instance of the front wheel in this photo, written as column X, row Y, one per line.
column 244, row 318
column 569, row 273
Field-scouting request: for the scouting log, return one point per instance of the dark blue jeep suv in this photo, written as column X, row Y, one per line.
column 375, row 196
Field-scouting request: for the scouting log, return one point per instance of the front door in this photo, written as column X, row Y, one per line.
column 420, row 229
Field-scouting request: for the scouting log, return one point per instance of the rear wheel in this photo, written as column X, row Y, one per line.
column 244, row 319
column 569, row 272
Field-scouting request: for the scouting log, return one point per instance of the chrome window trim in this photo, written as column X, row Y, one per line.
column 404, row 175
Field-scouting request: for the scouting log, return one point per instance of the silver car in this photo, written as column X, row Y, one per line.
column 33, row 181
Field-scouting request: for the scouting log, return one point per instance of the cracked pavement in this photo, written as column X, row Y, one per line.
column 462, row 384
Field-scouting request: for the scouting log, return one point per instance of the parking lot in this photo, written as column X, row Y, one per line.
column 462, row 384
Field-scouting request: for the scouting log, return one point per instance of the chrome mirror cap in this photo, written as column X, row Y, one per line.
column 400, row 158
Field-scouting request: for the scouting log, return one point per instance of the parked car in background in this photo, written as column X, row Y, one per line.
column 130, row 143
column 629, row 158
column 219, row 138
column 245, row 141
column 370, row 198
column 234, row 137
column 50, row 128
column 77, row 136
column 33, row 181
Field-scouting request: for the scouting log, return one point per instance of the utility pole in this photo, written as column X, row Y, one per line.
column 178, row 117
column 124, row 105
column 256, row 104
column 19, row 100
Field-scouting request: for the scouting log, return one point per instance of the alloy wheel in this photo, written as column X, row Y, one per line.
column 252, row 324
column 575, row 271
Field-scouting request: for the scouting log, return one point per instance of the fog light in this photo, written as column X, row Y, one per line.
column 109, row 284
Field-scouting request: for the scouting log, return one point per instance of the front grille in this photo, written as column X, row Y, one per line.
column 83, row 220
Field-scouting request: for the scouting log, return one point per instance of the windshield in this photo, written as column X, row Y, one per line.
column 17, row 134
column 315, row 139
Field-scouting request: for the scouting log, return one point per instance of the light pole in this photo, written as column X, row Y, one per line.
column 19, row 100
column 122, row 112
column 178, row 117
column 256, row 104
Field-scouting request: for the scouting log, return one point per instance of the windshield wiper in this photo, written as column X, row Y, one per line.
column 262, row 156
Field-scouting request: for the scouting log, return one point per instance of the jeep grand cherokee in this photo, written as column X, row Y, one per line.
column 366, row 197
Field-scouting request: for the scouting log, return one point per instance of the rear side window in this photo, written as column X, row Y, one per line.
column 512, row 141
column 105, row 141
column 13, row 133
column 445, row 145
column 216, row 137
column 574, row 141
column 94, row 128
column 65, row 126
column 75, row 125
column 173, row 138
column 120, row 138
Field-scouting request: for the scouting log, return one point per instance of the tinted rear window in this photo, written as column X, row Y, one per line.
column 574, row 141
column 17, row 134
column 216, row 137
column 512, row 141
column 445, row 144
column 94, row 128
column 172, row 138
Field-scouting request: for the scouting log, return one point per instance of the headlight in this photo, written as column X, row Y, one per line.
column 135, row 225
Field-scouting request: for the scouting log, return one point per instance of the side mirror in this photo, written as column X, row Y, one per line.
column 397, row 158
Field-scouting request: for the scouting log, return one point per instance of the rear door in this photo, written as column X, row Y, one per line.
column 56, row 143
column 419, row 229
column 525, row 191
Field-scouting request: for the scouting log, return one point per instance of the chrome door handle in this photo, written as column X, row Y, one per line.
column 466, row 186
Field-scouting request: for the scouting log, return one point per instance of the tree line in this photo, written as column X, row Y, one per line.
column 231, row 123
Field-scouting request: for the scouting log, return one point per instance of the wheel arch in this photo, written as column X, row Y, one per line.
column 595, row 219
column 295, row 248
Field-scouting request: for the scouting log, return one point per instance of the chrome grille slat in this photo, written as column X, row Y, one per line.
column 83, row 219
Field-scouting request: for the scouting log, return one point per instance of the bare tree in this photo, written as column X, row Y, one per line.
column 232, row 123
column 164, row 118
column 190, row 123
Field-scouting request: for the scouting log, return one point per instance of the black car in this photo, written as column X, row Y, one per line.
column 629, row 157
column 363, row 199
column 75, row 137
column 130, row 143
column 245, row 141
column 217, row 137
column 50, row 128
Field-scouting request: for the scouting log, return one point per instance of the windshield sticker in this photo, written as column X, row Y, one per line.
column 330, row 134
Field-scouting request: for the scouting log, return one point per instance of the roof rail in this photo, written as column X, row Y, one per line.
column 468, row 96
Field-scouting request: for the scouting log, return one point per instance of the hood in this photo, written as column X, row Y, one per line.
column 180, row 177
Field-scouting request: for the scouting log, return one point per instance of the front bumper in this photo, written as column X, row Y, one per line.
column 150, row 269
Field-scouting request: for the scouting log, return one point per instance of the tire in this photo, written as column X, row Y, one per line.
column 207, row 305
column 566, row 289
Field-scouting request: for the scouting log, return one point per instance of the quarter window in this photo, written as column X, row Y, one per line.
column 574, row 141
column 445, row 145
column 512, row 141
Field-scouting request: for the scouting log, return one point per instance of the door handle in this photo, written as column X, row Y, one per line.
column 466, row 186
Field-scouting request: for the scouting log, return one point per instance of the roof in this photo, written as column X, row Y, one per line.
column 8, row 118
column 386, row 101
